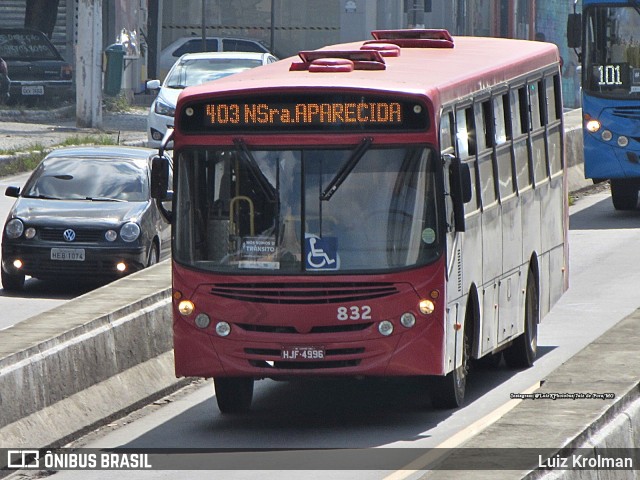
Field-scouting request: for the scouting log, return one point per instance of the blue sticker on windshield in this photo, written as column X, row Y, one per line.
column 322, row 253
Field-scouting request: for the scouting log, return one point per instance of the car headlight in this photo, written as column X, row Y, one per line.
column 130, row 232
column 165, row 109
column 14, row 228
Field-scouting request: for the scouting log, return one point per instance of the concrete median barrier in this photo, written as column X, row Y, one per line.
column 80, row 364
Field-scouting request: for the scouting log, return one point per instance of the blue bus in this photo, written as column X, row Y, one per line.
column 607, row 33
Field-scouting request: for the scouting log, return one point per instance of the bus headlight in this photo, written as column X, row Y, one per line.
column 427, row 307
column 223, row 329
column 623, row 141
column 202, row 320
column 408, row 320
column 385, row 328
column 186, row 307
column 606, row 135
column 593, row 125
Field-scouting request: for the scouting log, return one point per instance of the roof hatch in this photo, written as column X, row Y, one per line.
column 414, row 38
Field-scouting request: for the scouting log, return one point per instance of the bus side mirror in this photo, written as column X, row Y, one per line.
column 460, row 186
column 160, row 183
column 574, row 30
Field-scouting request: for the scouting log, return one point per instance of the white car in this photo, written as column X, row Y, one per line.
column 193, row 69
column 193, row 44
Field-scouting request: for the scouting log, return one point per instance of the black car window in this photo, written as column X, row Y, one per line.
column 235, row 45
column 76, row 179
column 195, row 46
column 26, row 45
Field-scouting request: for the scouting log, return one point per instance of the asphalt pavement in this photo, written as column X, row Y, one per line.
column 20, row 130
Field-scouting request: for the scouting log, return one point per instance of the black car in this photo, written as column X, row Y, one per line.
column 84, row 213
column 37, row 70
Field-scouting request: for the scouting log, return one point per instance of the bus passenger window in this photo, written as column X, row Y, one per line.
column 446, row 133
column 465, row 133
column 525, row 119
column 487, row 184
column 501, row 134
column 485, row 120
column 553, row 109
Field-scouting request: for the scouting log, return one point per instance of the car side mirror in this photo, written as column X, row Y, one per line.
column 12, row 192
column 153, row 85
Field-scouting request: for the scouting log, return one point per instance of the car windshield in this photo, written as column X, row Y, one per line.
column 26, row 46
column 612, row 51
column 97, row 179
column 187, row 73
column 307, row 211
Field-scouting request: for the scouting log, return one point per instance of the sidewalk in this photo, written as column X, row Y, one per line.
column 23, row 129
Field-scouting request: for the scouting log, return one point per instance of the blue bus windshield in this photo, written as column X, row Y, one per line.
column 612, row 51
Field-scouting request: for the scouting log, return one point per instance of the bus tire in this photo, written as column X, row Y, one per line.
column 234, row 394
column 448, row 392
column 624, row 194
column 522, row 352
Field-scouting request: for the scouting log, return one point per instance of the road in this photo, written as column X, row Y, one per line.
column 333, row 414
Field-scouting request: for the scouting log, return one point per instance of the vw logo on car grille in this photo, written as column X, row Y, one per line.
column 69, row 235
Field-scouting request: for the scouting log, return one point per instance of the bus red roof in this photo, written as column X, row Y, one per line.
column 446, row 73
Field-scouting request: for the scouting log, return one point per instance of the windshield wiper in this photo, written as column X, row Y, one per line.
column 104, row 199
column 346, row 169
column 42, row 197
column 250, row 161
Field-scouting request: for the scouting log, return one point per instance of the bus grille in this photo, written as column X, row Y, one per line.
column 627, row 112
column 303, row 293
column 343, row 328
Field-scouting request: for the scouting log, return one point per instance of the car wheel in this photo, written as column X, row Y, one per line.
column 153, row 255
column 12, row 281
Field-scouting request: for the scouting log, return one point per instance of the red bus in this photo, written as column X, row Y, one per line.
column 387, row 208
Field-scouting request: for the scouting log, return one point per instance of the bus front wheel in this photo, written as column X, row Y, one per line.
column 234, row 395
column 522, row 352
column 448, row 391
column 624, row 194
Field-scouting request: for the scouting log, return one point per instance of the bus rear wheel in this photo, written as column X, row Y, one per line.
column 624, row 194
column 522, row 352
column 234, row 395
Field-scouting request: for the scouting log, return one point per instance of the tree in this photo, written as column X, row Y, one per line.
column 41, row 15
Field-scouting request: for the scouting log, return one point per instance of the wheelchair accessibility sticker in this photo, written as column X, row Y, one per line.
column 322, row 253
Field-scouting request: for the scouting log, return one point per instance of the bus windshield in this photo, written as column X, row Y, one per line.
column 612, row 51
column 306, row 211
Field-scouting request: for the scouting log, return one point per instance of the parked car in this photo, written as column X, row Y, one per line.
column 193, row 69
column 193, row 44
column 85, row 213
column 37, row 70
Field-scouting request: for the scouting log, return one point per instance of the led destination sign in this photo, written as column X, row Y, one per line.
column 305, row 114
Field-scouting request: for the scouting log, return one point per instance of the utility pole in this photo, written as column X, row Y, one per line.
column 89, row 64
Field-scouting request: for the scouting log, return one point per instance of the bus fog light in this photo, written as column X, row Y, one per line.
column 186, row 307
column 427, row 307
column 408, row 320
column 606, row 135
column 623, row 141
column 385, row 328
column 202, row 320
column 593, row 126
column 223, row 329
column 17, row 263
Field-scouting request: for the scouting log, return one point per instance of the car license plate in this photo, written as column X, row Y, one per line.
column 302, row 353
column 73, row 254
column 33, row 90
